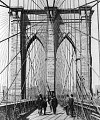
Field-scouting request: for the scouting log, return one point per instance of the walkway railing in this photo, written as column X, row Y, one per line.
column 13, row 111
column 86, row 111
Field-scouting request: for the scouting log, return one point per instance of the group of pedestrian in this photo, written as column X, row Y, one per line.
column 53, row 102
column 69, row 106
column 42, row 104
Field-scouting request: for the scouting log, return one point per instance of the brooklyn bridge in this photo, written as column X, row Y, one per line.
column 49, row 47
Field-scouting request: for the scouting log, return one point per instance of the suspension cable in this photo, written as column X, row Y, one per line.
column 57, row 2
column 8, row 62
column 98, row 22
column 36, row 4
column 5, row 4
column 42, row 3
column 14, row 57
column 96, row 3
column 69, row 66
column 68, row 72
column 61, row 3
column 82, row 55
column 87, row 61
column 14, row 79
column 16, row 75
column 20, row 32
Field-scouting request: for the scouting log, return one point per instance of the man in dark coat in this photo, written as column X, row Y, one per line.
column 66, row 106
column 39, row 104
column 54, row 104
column 44, row 105
column 71, row 104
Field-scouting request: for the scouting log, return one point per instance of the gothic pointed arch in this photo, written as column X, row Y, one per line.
column 32, row 40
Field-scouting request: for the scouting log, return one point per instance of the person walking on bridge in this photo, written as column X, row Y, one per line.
column 39, row 104
column 66, row 106
column 71, row 104
column 54, row 103
column 44, row 105
column 50, row 102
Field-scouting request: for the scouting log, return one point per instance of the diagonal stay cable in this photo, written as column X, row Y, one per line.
column 37, row 4
column 5, row 4
column 61, row 3
column 85, row 33
column 22, row 89
column 95, row 4
column 68, row 72
column 94, row 103
column 86, row 60
column 68, row 64
column 14, row 58
column 32, row 66
column 79, row 50
column 18, row 72
column 20, row 32
column 86, row 4
column 15, row 76
column 82, row 82
column 57, row 2
column 24, row 81
column 42, row 3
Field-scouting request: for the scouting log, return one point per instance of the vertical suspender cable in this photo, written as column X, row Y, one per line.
column 32, row 70
column 28, row 62
column 87, row 31
column 16, row 49
column 72, row 52
column 69, row 45
column 65, row 44
column 71, row 38
column 81, row 65
column 57, row 2
column 80, row 44
column 31, row 52
column 68, row 42
column 8, row 62
column 44, row 3
column 34, row 17
column 98, row 22
column 53, row 3
column 76, row 86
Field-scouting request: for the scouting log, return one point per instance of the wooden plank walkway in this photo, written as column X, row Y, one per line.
column 60, row 115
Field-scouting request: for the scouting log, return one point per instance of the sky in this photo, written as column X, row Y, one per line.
column 4, row 33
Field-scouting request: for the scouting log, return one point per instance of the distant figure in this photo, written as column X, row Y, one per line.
column 44, row 105
column 54, row 104
column 67, row 105
column 71, row 104
column 39, row 104
column 50, row 102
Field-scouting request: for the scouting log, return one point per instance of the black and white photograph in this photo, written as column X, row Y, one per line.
column 49, row 59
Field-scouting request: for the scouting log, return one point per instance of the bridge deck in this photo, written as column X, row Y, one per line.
column 60, row 115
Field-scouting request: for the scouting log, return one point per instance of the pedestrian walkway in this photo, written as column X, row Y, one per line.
column 60, row 115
